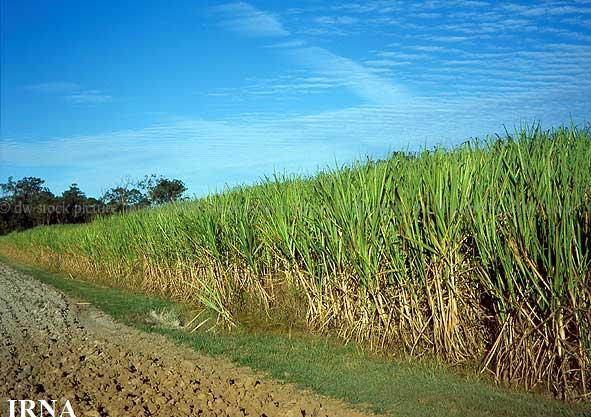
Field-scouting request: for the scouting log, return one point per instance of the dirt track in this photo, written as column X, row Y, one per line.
column 51, row 348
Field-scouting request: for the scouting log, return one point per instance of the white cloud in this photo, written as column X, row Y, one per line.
column 71, row 92
column 359, row 79
column 471, row 71
column 546, row 10
column 88, row 97
column 55, row 87
column 208, row 154
column 386, row 63
column 447, row 38
column 335, row 20
column 288, row 44
column 247, row 20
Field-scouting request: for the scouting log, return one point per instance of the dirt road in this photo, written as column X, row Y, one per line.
column 52, row 348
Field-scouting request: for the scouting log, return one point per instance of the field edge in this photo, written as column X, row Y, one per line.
column 389, row 387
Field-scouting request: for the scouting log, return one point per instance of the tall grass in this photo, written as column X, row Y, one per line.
column 479, row 253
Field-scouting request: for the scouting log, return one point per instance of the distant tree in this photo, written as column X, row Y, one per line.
column 160, row 190
column 121, row 199
column 6, row 223
column 26, row 201
column 166, row 191
column 74, row 202
column 27, row 188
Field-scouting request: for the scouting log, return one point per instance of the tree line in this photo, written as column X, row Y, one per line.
column 27, row 202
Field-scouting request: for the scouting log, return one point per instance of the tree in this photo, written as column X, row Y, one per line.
column 167, row 191
column 27, row 188
column 151, row 190
column 123, row 198
column 27, row 202
column 74, row 202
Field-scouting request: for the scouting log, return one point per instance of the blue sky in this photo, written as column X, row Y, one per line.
column 219, row 93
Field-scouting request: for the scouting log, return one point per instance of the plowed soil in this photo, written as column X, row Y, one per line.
column 54, row 348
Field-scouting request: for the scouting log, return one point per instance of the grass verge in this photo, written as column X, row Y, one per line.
column 390, row 387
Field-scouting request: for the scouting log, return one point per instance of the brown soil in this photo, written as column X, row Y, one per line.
column 53, row 348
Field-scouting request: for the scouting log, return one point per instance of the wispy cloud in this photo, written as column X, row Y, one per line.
column 422, row 73
column 346, row 72
column 89, row 97
column 244, row 148
column 447, row 39
column 72, row 92
column 294, row 43
column 467, row 48
column 546, row 10
column 335, row 20
column 386, row 63
column 245, row 19
column 356, row 77
column 55, row 87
